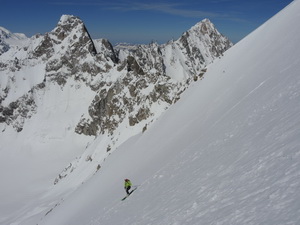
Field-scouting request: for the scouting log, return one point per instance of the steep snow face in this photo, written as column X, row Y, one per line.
column 226, row 153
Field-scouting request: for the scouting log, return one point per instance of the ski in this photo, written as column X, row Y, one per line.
column 129, row 194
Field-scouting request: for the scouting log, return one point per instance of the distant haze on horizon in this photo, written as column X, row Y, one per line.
column 140, row 22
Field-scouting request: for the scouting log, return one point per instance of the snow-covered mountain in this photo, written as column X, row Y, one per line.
column 68, row 53
column 67, row 102
column 226, row 153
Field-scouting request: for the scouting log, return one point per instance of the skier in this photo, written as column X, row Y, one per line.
column 127, row 186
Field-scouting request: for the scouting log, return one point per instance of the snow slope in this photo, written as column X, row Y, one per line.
column 28, row 159
column 226, row 153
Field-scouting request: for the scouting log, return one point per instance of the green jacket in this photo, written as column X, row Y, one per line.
column 127, row 184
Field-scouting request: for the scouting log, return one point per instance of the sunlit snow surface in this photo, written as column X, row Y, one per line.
column 228, row 152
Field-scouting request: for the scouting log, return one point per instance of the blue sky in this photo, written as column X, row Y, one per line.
column 139, row 21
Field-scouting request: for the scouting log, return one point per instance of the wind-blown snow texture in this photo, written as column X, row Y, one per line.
column 226, row 153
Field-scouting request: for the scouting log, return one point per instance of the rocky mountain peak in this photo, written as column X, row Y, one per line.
column 70, row 25
column 68, row 20
column 70, row 33
column 68, row 50
column 205, row 37
column 205, row 26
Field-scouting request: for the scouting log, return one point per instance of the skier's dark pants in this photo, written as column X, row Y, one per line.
column 127, row 189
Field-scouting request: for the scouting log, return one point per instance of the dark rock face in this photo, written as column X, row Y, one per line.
column 15, row 113
column 132, row 65
column 4, row 47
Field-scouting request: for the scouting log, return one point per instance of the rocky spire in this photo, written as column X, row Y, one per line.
column 204, row 37
column 70, row 33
